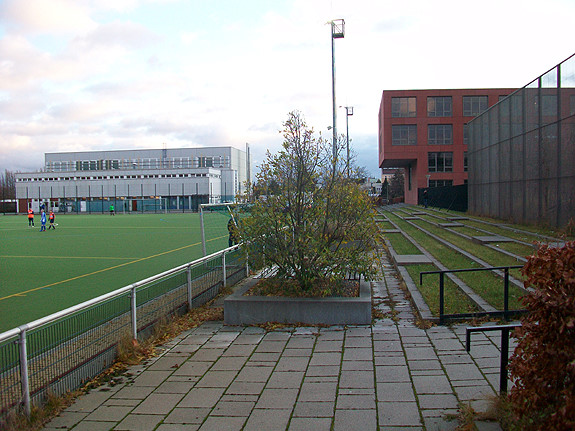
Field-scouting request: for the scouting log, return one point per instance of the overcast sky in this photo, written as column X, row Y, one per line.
column 78, row 75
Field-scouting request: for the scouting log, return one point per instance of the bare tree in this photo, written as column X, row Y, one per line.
column 397, row 184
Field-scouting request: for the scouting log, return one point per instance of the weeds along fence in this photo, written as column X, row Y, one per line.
column 60, row 352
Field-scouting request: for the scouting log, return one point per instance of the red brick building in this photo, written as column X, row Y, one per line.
column 425, row 133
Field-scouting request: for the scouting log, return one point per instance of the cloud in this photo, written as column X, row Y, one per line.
column 46, row 16
column 128, row 35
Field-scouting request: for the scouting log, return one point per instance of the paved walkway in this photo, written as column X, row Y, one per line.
column 388, row 376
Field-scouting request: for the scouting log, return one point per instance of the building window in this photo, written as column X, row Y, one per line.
column 465, row 134
column 403, row 107
column 439, row 106
column 440, row 162
column 440, row 134
column 465, row 161
column 440, row 183
column 206, row 162
column 112, row 164
column 474, row 105
column 404, row 134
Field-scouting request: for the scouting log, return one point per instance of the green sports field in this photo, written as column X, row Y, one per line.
column 89, row 255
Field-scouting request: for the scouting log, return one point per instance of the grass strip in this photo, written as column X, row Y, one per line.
column 489, row 255
column 401, row 244
column 455, row 301
column 484, row 283
column 516, row 248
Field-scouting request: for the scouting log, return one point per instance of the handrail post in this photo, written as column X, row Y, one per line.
column 441, row 293
column 189, row 287
column 504, row 360
column 134, row 315
column 506, row 294
column 24, row 379
column 224, row 268
column 504, row 353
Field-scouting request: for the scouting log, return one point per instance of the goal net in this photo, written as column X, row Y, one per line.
column 218, row 225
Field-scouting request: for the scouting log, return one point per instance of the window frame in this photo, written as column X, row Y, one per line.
column 401, row 107
column 440, row 140
column 474, row 102
column 440, row 159
column 439, row 101
column 408, row 130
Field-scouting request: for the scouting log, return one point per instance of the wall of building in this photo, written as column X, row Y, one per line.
column 413, row 158
column 182, row 178
column 522, row 153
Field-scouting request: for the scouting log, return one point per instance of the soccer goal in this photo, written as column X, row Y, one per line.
column 218, row 225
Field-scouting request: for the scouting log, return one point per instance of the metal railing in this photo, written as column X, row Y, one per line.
column 504, row 358
column 59, row 352
column 506, row 312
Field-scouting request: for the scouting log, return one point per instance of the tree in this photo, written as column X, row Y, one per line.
column 8, row 185
column 397, row 184
column 318, row 225
column 7, row 191
column 385, row 189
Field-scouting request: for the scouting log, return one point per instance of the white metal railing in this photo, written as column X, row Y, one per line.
column 21, row 331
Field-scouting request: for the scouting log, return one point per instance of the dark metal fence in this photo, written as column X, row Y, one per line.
column 521, row 152
column 60, row 352
column 449, row 197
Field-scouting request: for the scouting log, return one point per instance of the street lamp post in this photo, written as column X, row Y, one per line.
column 337, row 32
column 348, row 113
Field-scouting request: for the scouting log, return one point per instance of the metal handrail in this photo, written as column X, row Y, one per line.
column 504, row 349
column 506, row 312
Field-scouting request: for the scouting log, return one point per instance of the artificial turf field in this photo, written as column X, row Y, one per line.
column 89, row 255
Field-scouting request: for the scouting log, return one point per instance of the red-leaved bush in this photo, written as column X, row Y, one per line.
column 543, row 364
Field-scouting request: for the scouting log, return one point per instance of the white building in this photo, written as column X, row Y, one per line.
column 135, row 180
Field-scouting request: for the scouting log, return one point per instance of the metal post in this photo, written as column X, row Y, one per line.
column 334, row 144
column 504, row 359
column 347, row 138
column 189, row 278
column 25, row 385
column 134, row 315
column 202, row 230
column 441, row 308
column 506, row 294
column 224, row 268
column 247, row 264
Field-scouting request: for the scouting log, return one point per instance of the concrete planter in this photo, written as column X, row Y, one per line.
column 249, row 310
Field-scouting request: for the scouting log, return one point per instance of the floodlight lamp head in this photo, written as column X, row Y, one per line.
column 337, row 28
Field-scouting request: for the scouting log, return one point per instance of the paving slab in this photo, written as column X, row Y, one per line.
column 136, row 422
column 346, row 420
column 411, row 259
column 269, row 420
column 486, row 239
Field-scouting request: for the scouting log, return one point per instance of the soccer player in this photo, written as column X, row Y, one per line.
column 30, row 217
column 51, row 217
column 43, row 221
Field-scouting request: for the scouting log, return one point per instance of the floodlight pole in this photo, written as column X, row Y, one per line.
column 348, row 113
column 337, row 32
